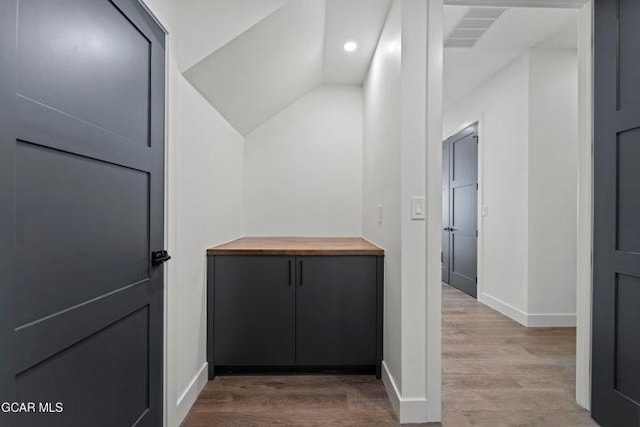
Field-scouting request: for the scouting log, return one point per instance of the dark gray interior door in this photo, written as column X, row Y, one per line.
column 336, row 310
column 446, row 216
column 81, row 209
column 254, row 310
column 616, row 279
column 461, row 229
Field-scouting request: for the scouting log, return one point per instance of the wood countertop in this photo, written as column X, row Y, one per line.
column 297, row 246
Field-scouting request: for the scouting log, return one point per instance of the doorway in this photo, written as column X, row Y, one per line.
column 82, row 164
column 459, row 210
column 518, row 208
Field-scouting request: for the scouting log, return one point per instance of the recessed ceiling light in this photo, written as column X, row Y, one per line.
column 350, row 46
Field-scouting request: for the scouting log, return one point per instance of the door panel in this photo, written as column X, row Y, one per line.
column 627, row 350
column 336, row 310
column 79, row 57
column 254, row 309
column 463, row 263
column 445, row 212
column 464, row 209
column 616, row 276
column 464, row 159
column 108, row 366
column 461, row 196
column 628, row 229
column 81, row 208
column 59, row 215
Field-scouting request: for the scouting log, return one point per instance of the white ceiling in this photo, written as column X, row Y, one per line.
column 519, row 3
column 265, row 56
column 351, row 20
column 207, row 25
column 252, row 58
column 266, row 68
column 516, row 31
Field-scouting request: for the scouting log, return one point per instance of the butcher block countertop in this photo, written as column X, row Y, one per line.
column 297, row 246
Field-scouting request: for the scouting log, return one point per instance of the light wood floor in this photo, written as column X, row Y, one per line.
column 495, row 373
column 498, row 373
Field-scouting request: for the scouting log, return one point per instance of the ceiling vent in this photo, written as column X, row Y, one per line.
column 472, row 26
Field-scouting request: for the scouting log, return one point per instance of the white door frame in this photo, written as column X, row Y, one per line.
column 585, row 190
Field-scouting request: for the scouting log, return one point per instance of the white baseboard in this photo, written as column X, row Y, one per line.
column 502, row 307
column 413, row 410
column 558, row 320
column 191, row 393
column 530, row 320
column 391, row 388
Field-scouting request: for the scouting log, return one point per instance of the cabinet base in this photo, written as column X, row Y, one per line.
column 220, row 370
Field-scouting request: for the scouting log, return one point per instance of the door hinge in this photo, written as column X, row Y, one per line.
column 442, row 257
column 476, row 280
column 476, row 233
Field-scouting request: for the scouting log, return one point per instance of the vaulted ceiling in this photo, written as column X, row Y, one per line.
column 252, row 58
column 259, row 56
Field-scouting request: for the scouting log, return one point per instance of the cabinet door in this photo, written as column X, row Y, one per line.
column 254, row 311
column 336, row 310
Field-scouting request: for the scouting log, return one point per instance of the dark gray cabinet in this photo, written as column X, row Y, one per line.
column 294, row 313
column 336, row 310
column 254, row 308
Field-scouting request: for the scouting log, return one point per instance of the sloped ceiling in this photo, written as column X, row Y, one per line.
column 260, row 56
column 207, row 25
column 267, row 67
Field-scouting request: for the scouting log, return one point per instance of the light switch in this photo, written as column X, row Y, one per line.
column 418, row 208
column 379, row 214
column 485, row 210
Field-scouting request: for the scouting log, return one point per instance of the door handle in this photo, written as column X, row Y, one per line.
column 447, row 229
column 159, row 257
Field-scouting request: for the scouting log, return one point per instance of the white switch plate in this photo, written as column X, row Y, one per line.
column 418, row 208
column 379, row 214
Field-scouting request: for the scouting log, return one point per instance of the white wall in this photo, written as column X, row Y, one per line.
column 394, row 170
column 502, row 107
column 381, row 177
column 528, row 186
column 206, row 171
column 553, row 187
column 204, row 185
column 303, row 167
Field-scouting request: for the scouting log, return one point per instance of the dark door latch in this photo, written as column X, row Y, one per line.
column 159, row 257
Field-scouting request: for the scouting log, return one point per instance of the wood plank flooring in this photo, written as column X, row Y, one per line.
column 495, row 373
column 499, row 373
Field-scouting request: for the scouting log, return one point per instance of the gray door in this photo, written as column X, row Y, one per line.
column 461, row 230
column 446, row 189
column 336, row 310
column 616, row 280
column 81, row 209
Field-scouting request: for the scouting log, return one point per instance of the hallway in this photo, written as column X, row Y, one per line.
column 497, row 372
